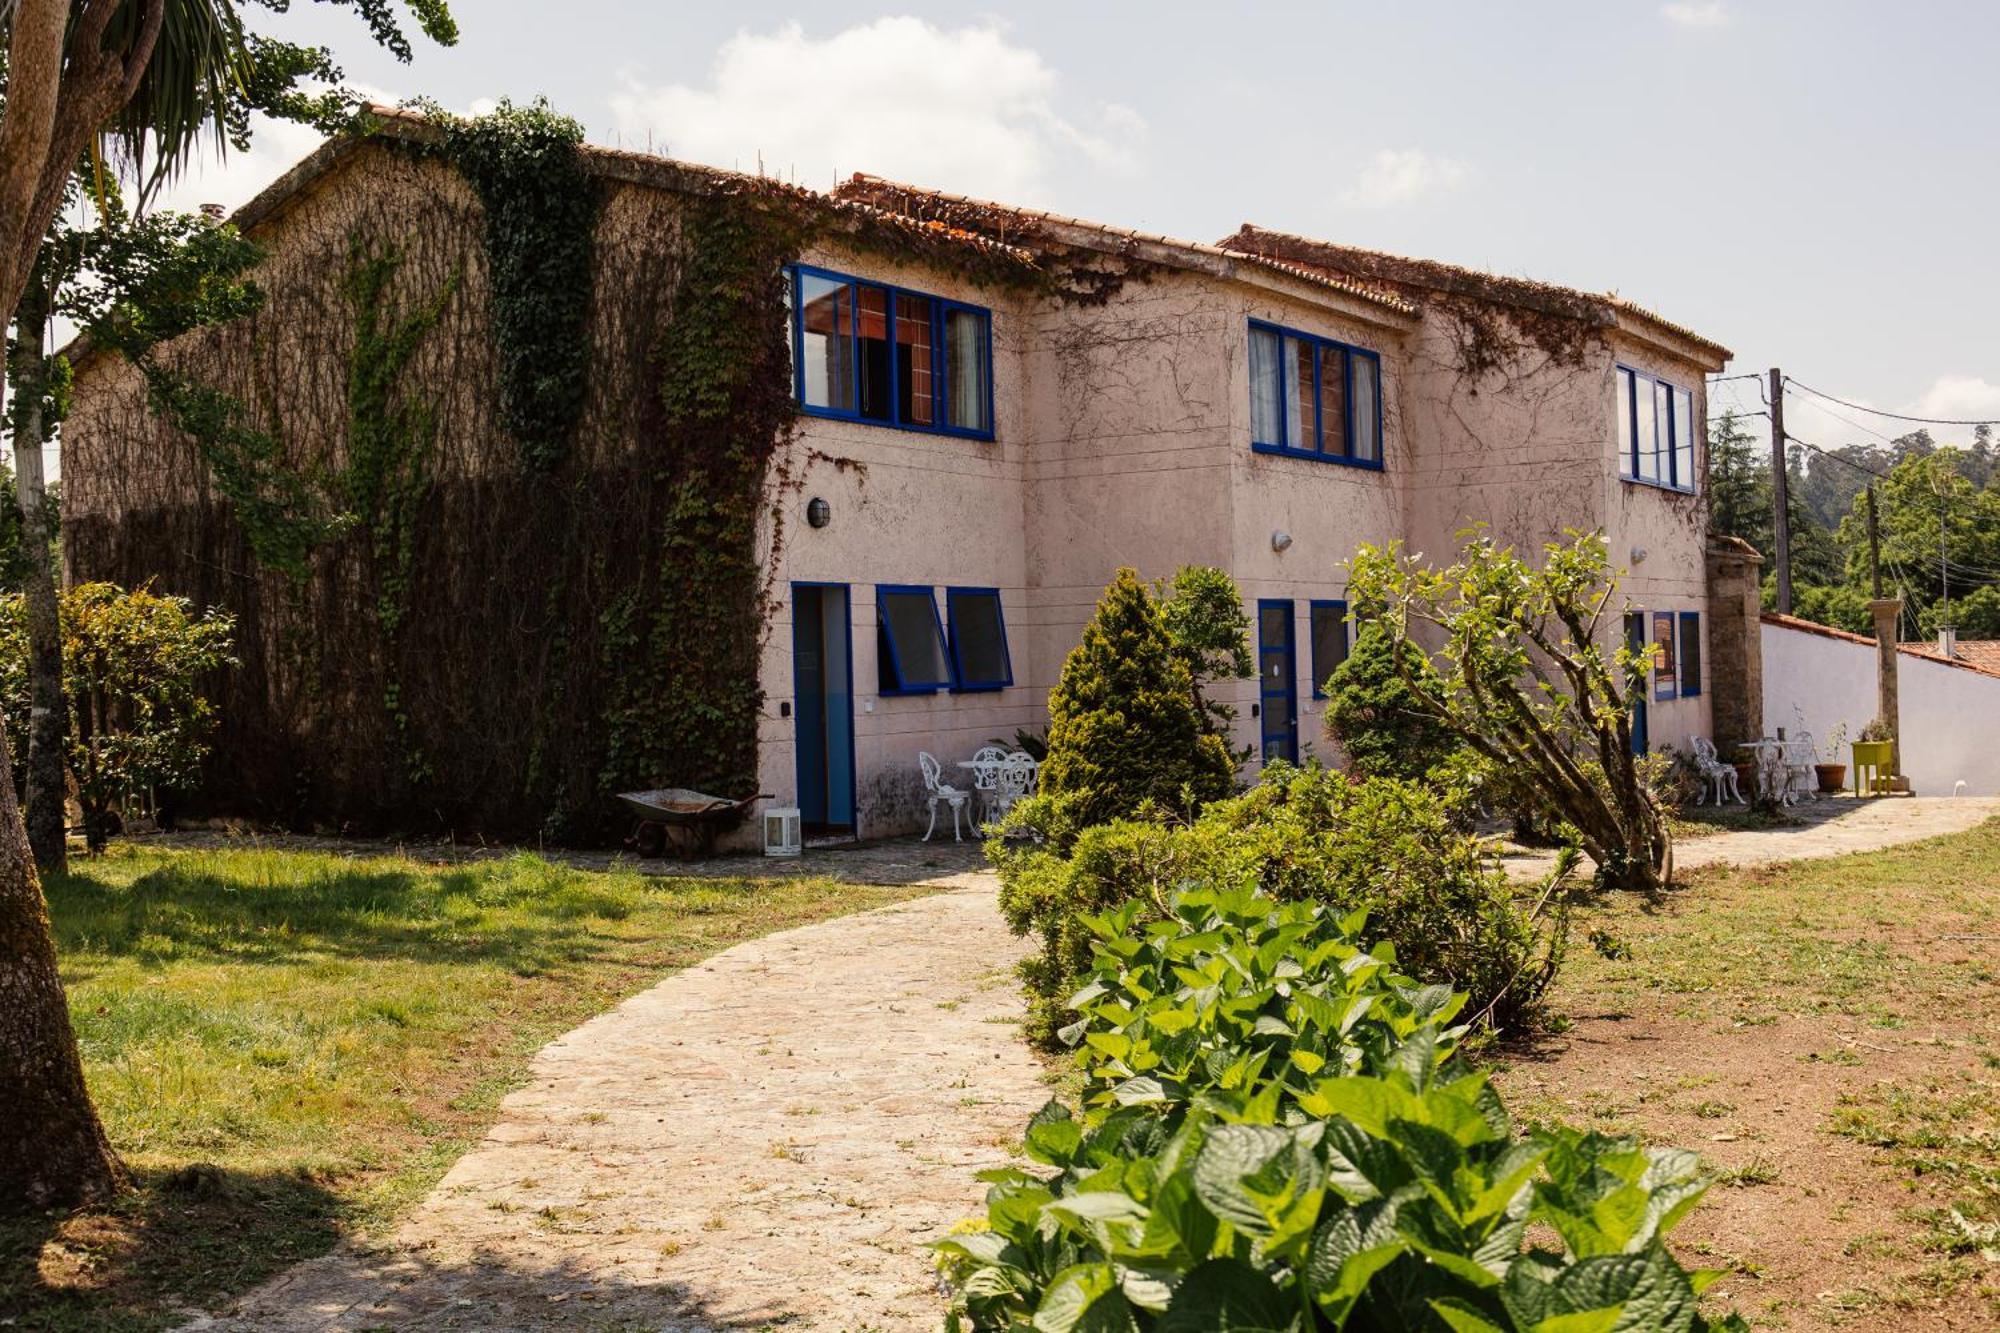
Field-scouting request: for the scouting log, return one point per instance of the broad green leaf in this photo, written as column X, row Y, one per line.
column 1228, row 1296
column 1084, row 1299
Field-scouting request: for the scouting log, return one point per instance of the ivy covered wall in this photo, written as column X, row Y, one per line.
column 550, row 402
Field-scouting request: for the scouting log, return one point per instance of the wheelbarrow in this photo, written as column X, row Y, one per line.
column 682, row 821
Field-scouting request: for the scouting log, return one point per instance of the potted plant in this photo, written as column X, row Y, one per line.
column 1833, row 773
column 1875, row 753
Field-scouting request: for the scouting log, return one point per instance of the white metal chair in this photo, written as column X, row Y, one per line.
column 1717, row 778
column 1013, row 779
column 1801, row 767
column 937, row 789
column 985, row 764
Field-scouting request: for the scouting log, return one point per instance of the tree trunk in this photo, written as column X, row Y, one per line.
column 48, row 712
column 53, row 1152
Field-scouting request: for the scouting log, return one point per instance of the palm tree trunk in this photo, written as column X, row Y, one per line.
column 48, row 711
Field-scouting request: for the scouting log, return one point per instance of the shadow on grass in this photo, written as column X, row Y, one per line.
column 526, row 915
column 192, row 1237
column 204, row 1239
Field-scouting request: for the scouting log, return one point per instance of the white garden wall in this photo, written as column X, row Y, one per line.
column 1950, row 715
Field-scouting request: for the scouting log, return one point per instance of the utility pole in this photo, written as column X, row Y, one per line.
column 1874, row 545
column 1781, row 499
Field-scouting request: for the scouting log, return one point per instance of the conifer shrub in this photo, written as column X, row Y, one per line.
column 1125, row 734
column 1377, row 717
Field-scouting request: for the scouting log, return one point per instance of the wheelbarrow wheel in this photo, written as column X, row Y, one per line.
column 649, row 838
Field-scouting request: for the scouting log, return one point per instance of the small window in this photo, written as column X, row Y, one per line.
column 1625, row 456
column 1329, row 642
column 871, row 352
column 1314, row 398
column 1690, row 673
column 910, row 650
column 1664, row 675
column 1683, row 419
column 978, row 639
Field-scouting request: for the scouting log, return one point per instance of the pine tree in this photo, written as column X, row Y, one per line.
column 1124, row 732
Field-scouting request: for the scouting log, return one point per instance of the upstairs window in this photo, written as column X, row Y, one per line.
column 1312, row 397
column 910, row 650
column 1655, row 431
column 1329, row 642
column 866, row 351
column 978, row 634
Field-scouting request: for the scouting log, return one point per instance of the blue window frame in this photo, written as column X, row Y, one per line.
column 911, row 657
column 1312, row 397
column 868, row 351
column 978, row 633
column 1656, row 432
column 1690, row 654
column 1666, row 676
column 1327, row 628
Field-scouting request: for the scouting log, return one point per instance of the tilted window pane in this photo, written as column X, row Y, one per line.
column 909, row 621
column 826, row 315
column 979, row 638
column 1329, row 643
column 1264, row 379
column 916, row 391
column 966, row 368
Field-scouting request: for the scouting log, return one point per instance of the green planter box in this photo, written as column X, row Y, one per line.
column 1874, row 762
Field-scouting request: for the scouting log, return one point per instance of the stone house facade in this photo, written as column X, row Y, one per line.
column 973, row 459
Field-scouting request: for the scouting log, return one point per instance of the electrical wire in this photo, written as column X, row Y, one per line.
column 1894, row 416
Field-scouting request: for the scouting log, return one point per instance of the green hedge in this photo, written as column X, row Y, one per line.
column 1383, row 846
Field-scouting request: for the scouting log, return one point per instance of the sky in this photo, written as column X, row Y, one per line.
column 1812, row 184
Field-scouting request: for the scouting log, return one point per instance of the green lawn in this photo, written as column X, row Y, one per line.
column 1827, row 1033
column 288, row 1048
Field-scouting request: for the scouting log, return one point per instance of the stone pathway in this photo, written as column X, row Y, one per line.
column 766, row 1139
column 1829, row 827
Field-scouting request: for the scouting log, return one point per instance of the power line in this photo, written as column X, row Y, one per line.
column 1894, row 416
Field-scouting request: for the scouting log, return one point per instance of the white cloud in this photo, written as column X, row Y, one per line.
column 1697, row 13
column 1959, row 398
column 1402, row 176
column 962, row 109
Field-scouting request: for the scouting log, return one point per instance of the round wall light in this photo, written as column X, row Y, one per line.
column 818, row 512
column 1280, row 540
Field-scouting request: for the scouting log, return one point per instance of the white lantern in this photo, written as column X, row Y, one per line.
column 783, row 833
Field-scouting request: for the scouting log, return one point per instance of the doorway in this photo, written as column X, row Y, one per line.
column 1277, row 681
column 1640, row 642
column 823, row 706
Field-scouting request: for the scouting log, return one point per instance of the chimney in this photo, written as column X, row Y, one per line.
column 1947, row 642
column 213, row 214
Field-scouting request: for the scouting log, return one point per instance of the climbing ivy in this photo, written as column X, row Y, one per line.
column 685, row 698
column 389, row 442
column 541, row 218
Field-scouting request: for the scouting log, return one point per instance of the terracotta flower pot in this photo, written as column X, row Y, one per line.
column 1832, row 777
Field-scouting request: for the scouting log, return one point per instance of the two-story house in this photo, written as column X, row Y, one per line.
column 973, row 457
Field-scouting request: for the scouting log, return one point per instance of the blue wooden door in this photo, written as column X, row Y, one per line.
column 823, row 705
column 1277, row 681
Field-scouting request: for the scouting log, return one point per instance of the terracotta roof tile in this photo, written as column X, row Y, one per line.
column 1602, row 308
column 1030, row 226
column 1984, row 656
